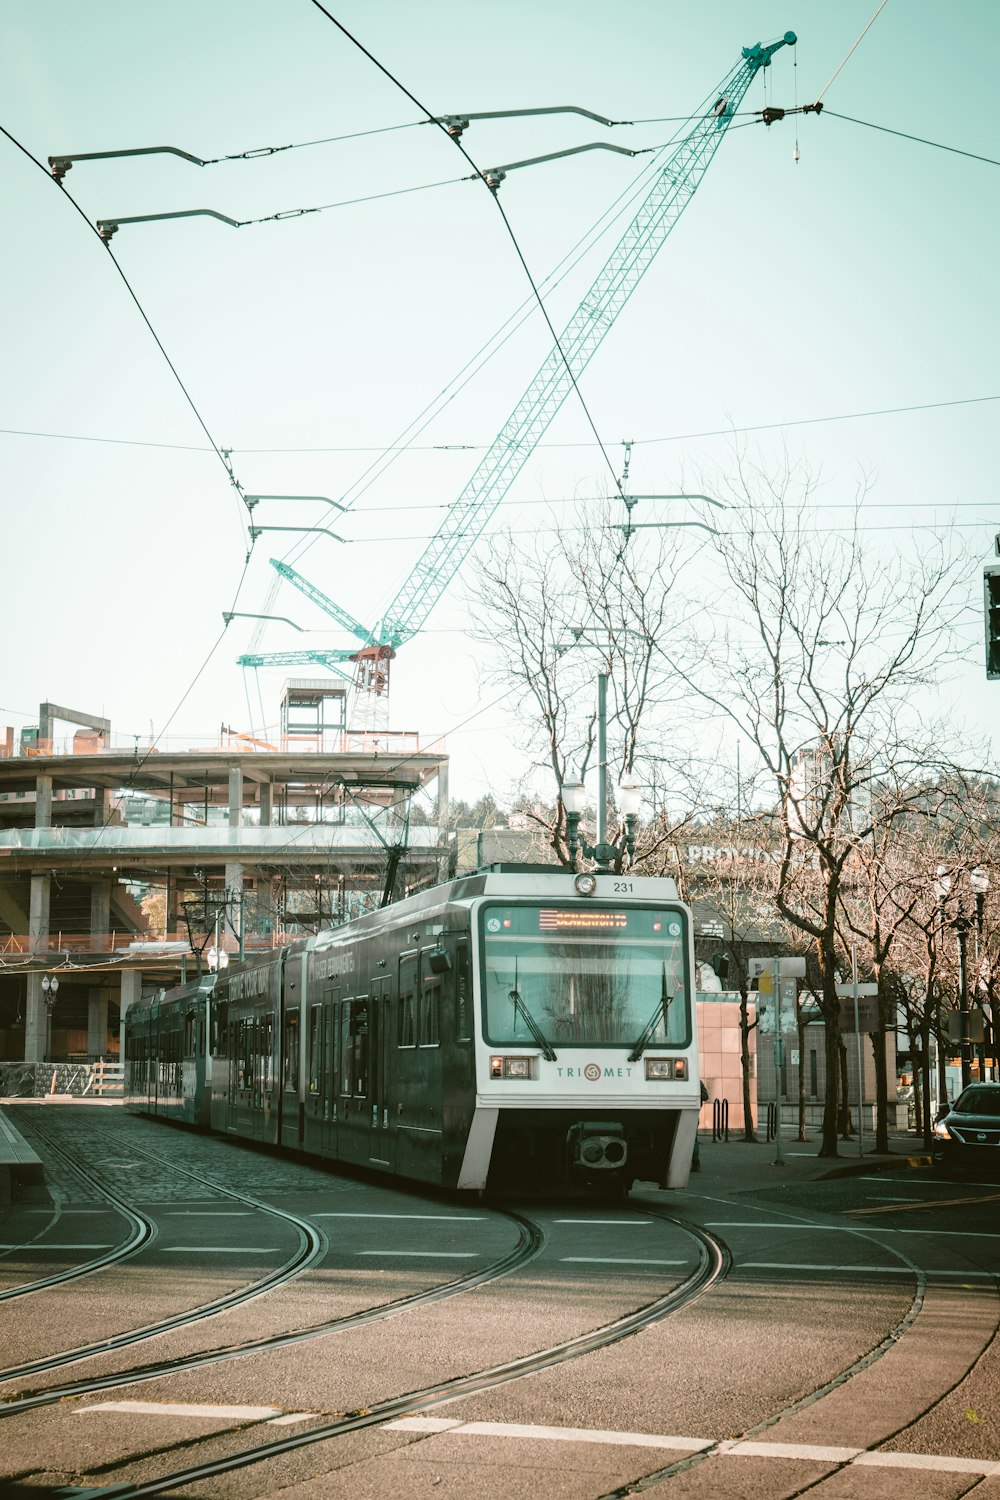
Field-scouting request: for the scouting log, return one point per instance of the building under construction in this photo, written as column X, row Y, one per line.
column 126, row 865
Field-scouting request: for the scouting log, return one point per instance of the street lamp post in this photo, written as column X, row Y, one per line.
column 979, row 883
column 603, row 853
column 50, row 994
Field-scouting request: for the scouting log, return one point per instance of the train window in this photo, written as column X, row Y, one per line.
column 463, row 1010
column 189, row 1030
column 408, row 1000
column 292, row 1050
column 220, row 1028
column 315, row 1048
column 346, row 1049
column 267, row 1048
column 359, row 1043
column 429, row 1030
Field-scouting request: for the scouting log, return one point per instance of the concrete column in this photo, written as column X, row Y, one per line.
column 266, row 803
column 97, row 1022
column 234, row 894
column 131, row 992
column 235, row 797
column 100, row 908
column 36, row 1016
column 442, row 801
column 43, row 801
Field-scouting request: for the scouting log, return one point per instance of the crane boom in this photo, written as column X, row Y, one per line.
column 675, row 184
column 673, row 189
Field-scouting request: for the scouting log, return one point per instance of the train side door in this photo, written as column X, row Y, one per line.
column 380, row 1074
column 236, row 1046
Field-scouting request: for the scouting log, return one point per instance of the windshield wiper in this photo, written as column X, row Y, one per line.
column 520, row 1009
column 662, row 1009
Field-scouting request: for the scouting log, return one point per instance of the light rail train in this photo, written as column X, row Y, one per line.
column 522, row 1029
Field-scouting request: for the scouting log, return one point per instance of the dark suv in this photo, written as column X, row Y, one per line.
column 967, row 1137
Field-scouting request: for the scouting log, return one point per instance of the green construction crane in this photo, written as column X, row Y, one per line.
column 675, row 184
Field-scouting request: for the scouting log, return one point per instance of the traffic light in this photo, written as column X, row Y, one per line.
column 991, row 612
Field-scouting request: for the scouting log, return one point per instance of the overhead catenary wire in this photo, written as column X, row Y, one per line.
column 675, row 437
column 852, row 51
column 513, row 238
column 991, row 161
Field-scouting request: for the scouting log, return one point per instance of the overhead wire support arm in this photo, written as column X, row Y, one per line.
column 455, row 124
column 493, row 176
column 61, row 164
column 106, row 228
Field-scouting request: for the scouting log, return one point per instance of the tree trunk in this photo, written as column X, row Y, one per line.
column 877, row 1040
column 831, row 1105
column 749, row 1133
column 801, row 1027
column 845, row 1096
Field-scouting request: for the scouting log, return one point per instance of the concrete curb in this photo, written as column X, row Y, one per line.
column 878, row 1164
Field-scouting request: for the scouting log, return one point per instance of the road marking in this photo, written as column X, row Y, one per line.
column 183, row 1409
column 293, row 1416
column 817, row 1451
column 206, row 1213
column 551, row 1434
column 444, row 1218
column 944, row 1463
column 955, row 1234
column 933, row 1203
column 51, row 1245
column 735, row 1448
column 218, row 1249
column 426, row 1254
column 892, row 1198
column 780, row 1265
column 620, row 1223
column 618, row 1260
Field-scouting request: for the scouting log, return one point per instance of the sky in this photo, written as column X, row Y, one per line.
column 859, row 279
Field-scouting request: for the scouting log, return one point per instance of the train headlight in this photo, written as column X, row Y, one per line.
column 585, row 885
column 511, row 1067
column 660, row 1068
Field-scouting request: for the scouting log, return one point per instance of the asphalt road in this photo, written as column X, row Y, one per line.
column 850, row 1350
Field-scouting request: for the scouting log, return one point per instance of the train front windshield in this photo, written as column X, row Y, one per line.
column 585, row 975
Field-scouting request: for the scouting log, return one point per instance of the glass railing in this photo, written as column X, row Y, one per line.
column 300, row 836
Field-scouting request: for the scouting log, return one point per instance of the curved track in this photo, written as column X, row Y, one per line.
column 714, row 1263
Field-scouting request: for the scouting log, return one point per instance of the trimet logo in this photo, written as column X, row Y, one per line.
column 592, row 1072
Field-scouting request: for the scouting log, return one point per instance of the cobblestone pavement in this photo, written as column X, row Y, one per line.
column 104, row 1139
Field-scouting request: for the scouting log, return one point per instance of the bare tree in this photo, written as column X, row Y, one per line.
column 818, row 659
column 561, row 611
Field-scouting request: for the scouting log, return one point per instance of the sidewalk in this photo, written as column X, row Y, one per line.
column 746, row 1166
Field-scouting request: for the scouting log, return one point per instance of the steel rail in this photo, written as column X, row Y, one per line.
column 530, row 1241
column 144, row 1232
column 312, row 1246
column 714, row 1263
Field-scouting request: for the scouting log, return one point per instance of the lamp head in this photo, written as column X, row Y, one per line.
column 979, row 881
column 573, row 796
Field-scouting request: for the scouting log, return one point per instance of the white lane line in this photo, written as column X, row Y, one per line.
column 951, row 1234
column 823, row 1454
column 550, row 1434
column 891, row 1198
column 443, row 1218
column 293, row 1416
column 218, row 1249
column 183, row 1409
column 618, row 1223
column 51, row 1245
column 425, row 1254
column 206, row 1213
column 734, row 1448
column 618, row 1260
column 781, row 1265
column 943, row 1463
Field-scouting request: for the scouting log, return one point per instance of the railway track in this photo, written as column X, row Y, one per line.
column 529, row 1242
column 714, row 1262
